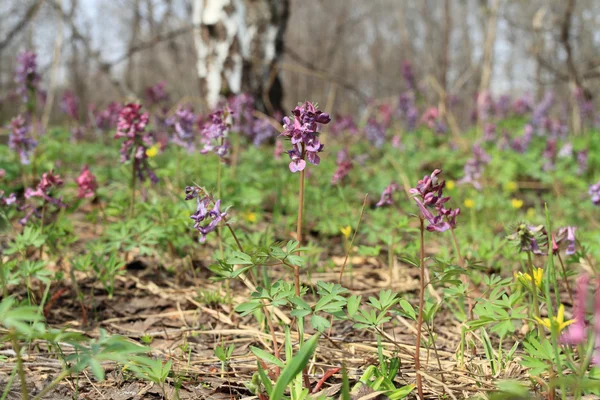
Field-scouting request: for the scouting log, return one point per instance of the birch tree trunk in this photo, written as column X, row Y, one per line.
column 238, row 45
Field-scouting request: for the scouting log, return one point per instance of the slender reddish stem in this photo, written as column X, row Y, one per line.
column 421, row 306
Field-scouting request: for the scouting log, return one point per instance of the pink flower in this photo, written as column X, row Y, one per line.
column 86, row 182
column 576, row 333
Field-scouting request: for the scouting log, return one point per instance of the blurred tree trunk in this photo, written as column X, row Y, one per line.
column 488, row 54
column 238, row 45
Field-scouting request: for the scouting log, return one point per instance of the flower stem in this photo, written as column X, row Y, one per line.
column 299, row 231
column 20, row 369
column 219, row 238
column 421, row 306
column 132, row 188
column 461, row 260
column 566, row 279
column 536, row 304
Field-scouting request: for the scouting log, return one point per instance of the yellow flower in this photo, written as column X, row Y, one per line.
column 346, row 231
column 250, row 217
column 450, row 185
column 558, row 321
column 469, row 203
column 530, row 213
column 152, row 151
column 516, row 203
column 511, row 187
column 525, row 279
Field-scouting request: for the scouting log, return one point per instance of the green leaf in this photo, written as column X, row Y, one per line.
column 319, row 323
column 260, row 353
column 408, row 309
column 353, row 304
column 295, row 367
column 237, row 257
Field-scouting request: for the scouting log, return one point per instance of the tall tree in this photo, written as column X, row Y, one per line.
column 238, row 45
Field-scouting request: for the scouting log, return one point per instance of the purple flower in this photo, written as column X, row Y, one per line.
column 502, row 106
column 302, row 130
column 107, row 119
column 27, row 77
column 375, row 133
column 576, row 333
column 182, row 124
column 214, row 133
column 594, row 192
column 407, row 110
column 582, row 162
column 157, row 94
column 42, row 190
column 7, row 201
column 86, row 183
column 523, row 105
column 429, row 194
column 205, row 220
column 242, row 107
column 386, row 196
column 596, row 356
column 131, row 125
column 69, row 104
column 474, row 167
column 297, row 164
column 550, row 155
column 485, row 106
column 407, row 74
column 540, row 113
column 20, row 139
column 489, row 132
column 565, row 234
column 343, row 124
column 530, row 238
column 344, row 166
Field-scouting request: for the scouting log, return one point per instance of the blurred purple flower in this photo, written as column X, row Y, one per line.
column 485, row 106
column 594, row 192
column 549, row 155
column 375, row 133
column 69, row 104
column 489, row 132
column 20, row 139
column 582, row 161
column 530, row 238
column 566, row 151
column 408, row 111
column 344, row 166
column 157, row 94
column 182, row 124
column 566, row 234
column 131, row 125
column 407, row 74
column 502, row 106
column 42, row 191
column 242, row 106
column 541, row 111
column 27, row 77
column 473, row 168
column 596, row 356
column 343, row 124
column 522, row 105
column 386, row 196
column 576, row 333
column 214, row 133
column 86, row 184
column 7, row 201
column 107, row 119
